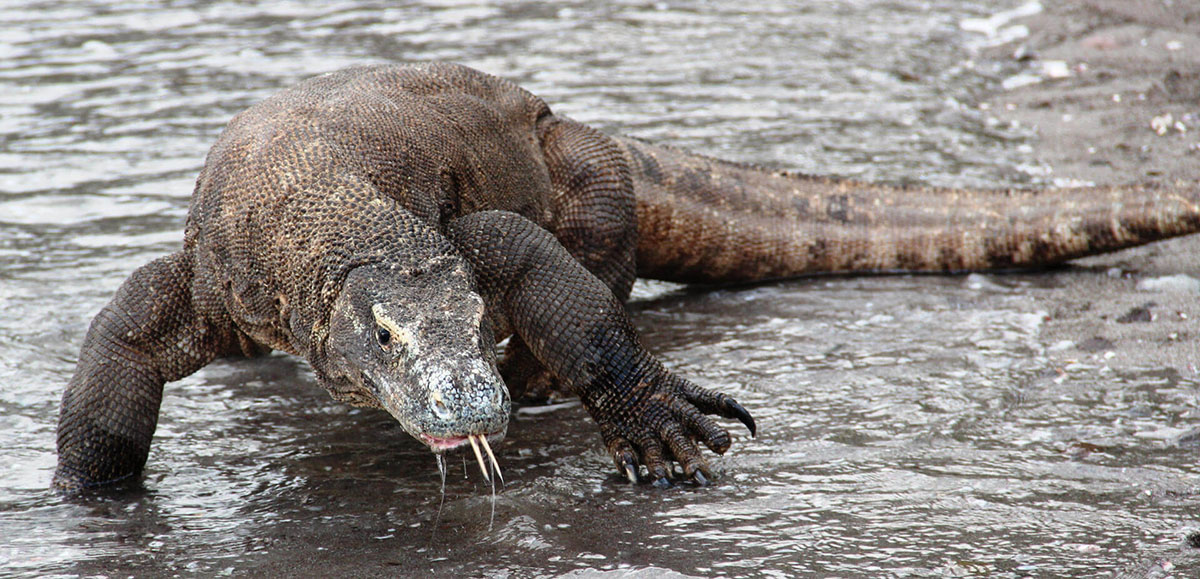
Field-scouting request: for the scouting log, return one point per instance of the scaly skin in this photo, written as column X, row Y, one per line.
column 707, row 220
column 389, row 224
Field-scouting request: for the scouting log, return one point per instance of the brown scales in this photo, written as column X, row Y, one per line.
column 390, row 223
column 706, row 220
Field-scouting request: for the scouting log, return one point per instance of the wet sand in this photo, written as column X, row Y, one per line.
column 1127, row 110
column 1127, row 63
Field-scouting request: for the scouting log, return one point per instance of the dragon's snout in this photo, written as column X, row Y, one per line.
column 460, row 400
column 468, row 405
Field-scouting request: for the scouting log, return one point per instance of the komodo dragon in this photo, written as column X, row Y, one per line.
column 390, row 223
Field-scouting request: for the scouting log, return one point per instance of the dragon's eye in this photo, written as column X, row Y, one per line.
column 384, row 336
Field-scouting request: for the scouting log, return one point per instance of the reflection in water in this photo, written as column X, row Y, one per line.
column 909, row 425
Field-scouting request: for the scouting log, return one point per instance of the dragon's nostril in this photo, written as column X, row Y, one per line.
column 439, row 405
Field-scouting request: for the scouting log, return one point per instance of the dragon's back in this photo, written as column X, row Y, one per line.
column 285, row 202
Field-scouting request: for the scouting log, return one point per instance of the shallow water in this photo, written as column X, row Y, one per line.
column 913, row 426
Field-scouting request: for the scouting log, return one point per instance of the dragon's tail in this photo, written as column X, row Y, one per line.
column 706, row 220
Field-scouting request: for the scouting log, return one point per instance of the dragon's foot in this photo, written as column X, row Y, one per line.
column 662, row 421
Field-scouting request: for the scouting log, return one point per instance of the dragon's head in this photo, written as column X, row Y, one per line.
column 416, row 341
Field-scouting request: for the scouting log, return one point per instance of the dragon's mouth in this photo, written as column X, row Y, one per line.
column 441, row 445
